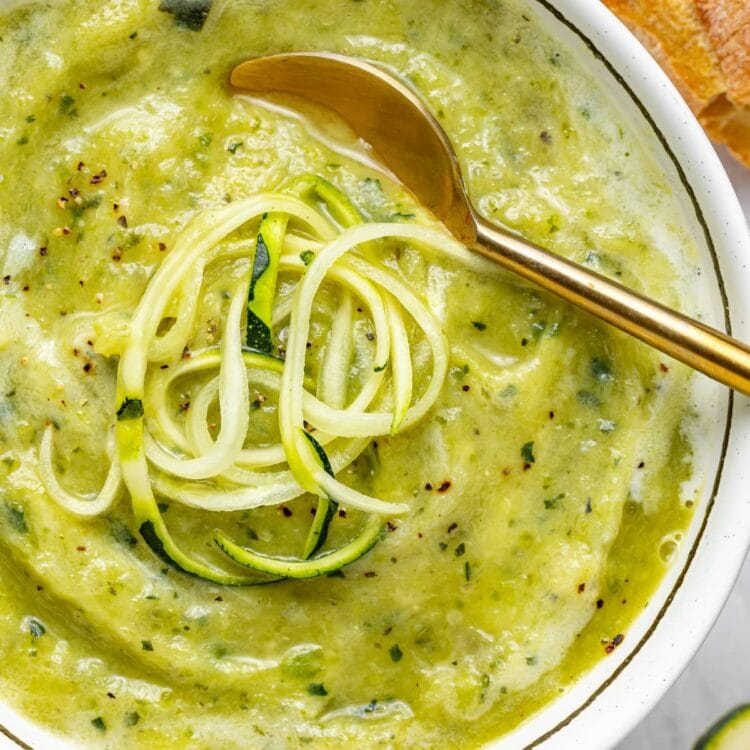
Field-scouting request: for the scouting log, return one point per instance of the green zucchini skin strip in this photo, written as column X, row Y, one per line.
column 260, row 298
column 151, row 525
column 300, row 569
column 197, row 239
column 154, row 541
column 347, row 215
column 210, row 357
column 326, row 509
column 324, row 209
column 726, row 729
column 130, row 408
column 338, row 204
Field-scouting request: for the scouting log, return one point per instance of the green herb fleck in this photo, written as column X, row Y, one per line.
column 147, row 646
column 317, row 688
column 479, row 325
column 527, row 452
column 380, row 368
column 16, row 517
column 133, row 238
column 593, row 259
column 552, row 502
column 132, row 718
column 303, row 663
column 467, row 570
column 531, row 660
column 537, row 329
column 65, row 105
column 396, row 653
column 587, row 398
column 205, row 139
column 443, row 546
column 36, row 628
column 484, row 681
column 460, row 550
column 30, row 118
column 98, row 724
column 232, row 147
column 22, row 141
column 601, row 369
column 91, row 202
column 509, row 390
column 121, row 533
column 130, row 408
column 306, row 256
column 190, row 14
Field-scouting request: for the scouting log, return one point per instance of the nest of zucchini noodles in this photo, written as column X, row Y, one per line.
column 314, row 232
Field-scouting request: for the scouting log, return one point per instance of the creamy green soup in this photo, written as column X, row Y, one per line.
column 547, row 488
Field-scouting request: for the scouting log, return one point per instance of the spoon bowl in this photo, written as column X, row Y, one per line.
column 411, row 143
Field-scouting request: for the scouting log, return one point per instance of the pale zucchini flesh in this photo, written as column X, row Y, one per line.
column 731, row 732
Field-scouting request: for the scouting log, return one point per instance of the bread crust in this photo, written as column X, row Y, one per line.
column 727, row 23
column 730, row 125
column 674, row 34
column 704, row 47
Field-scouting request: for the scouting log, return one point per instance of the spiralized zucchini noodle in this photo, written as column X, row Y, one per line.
column 316, row 237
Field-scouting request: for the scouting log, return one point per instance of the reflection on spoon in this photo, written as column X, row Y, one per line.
column 410, row 142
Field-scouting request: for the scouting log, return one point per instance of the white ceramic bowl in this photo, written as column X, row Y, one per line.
column 608, row 701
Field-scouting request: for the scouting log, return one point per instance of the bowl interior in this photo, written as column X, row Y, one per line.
column 606, row 702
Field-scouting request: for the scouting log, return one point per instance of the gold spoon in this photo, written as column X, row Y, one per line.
column 408, row 140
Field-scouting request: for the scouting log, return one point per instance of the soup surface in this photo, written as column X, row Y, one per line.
column 548, row 487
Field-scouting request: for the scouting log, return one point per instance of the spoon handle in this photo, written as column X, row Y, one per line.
column 701, row 347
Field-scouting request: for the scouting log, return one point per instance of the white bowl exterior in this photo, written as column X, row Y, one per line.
column 654, row 654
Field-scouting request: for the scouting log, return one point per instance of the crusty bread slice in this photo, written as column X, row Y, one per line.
column 704, row 47
column 730, row 125
column 727, row 23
